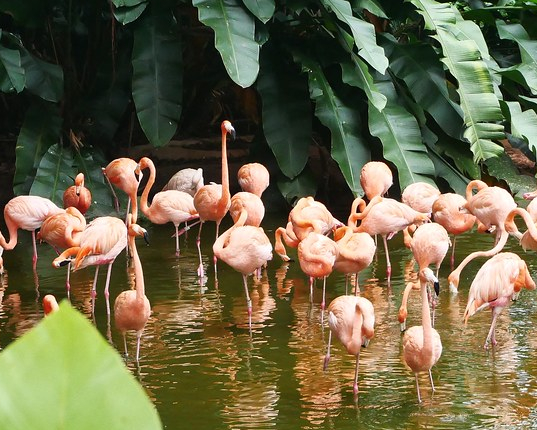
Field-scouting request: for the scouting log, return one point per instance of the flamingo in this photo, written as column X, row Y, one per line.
column 212, row 201
column 187, row 180
column 317, row 255
column 245, row 248
column 167, row 206
column 77, row 195
column 100, row 243
column 26, row 213
column 253, row 178
column 420, row 196
column 132, row 308
column 422, row 346
column 446, row 213
column 352, row 320
column 62, row 231
column 289, row 237
column 385, row 217
column 249, row 202
column 375, row 178
column 504, row 275
column 429, row 245
column 490, row 205
column 355, row 252
column 50, row 304
column 124, row 173
column 528, row 239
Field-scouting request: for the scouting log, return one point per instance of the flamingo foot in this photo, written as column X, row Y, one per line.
column 326, row 361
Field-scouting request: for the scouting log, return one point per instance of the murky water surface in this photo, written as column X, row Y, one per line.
column 203, row 369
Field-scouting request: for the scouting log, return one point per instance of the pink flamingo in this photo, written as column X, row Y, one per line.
column 125, row 174
column 77, row 195
column 375, row 178
column 253, row 178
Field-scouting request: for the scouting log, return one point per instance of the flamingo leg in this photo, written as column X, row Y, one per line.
column 214, row 256
column 198, row 243
column 311, row 289
column 327, row 356
column 356, row 284
column 177, row 251
column 138, row 341
column 67, row 283
column 248, row 301
column 34, row 258
column 452, row 253
column 417, row 387
column 116, row 200
column 355, row 386
column 431, row 379
column 125, row 344
column 491, row 337
column 388, row 263
column 106, row 291
column 94, row 289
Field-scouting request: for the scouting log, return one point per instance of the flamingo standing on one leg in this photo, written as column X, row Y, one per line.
column 26, row 213
column 77, row 195
column 245, row 248
column 63, row 231
column 355, row 252
column 494, row 285
column 490, row 205
column 352, row 320
column 100, row 243
column 167, row 206
column 212, row 201
column 446, row 213
column 132, row 308
column 422, row 346
column 375, row 178
column 125, row 174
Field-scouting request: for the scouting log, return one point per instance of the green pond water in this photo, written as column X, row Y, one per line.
column 203, row 369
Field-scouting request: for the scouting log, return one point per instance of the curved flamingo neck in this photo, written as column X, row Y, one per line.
column 242, row 218
column 426, row 321
column 144, row 163
column 12, row 228
column 404, row 301
column 511, row 227
column 476, row 184
column 138, row 270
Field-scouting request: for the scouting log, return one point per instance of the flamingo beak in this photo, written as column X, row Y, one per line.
column 146, row 237
column 437, row 288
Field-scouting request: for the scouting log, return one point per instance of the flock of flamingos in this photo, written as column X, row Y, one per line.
column 425, row 215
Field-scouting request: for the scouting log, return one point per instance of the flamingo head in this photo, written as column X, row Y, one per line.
column 227, row 128
column 79, row 183
column 50, row 304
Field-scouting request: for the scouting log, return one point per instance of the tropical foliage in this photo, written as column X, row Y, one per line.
column 438, row 89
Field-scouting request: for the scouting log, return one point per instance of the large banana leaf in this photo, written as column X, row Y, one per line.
column 349, row 148
column 128, row 11
column 523, row 124
column 363, row 33
column 11, row 73
column 419, row 66
column 502, row 167
column 40, row 130
column 401, row 140
column 261, row 9
column 157, row 84
column 300, row 186
column 286, row 112
column 463, row 59
column 234, row 30
column 42, row 79
column 528, row 51
column 76, row 381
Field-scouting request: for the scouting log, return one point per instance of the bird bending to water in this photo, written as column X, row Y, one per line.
column 494, row 285
column 212, row 201
column 249, row 202
column 245, row 248
column 131, row 307
column 167, row 206
column 375, row 178
column 253, row 178
column 187, row 180
column 422, row 346
column 352, row 320
column 77, row 195
column 125, row 174
column 26, row 213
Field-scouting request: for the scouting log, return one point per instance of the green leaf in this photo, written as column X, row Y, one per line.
column 502, row 167
column 301, row 186
column 443, row 169
column 363, row 33
column 10, row 67
column 234, row 30
column 127, row 14
column 420, row 68
column 42, row 79
column 76, row 381
column 401, row 141
column 41, row 129
column 523, row 124
column 263, row 10
column 371, row 5
column 157, row 86
column 348, row 147
column 286, row 112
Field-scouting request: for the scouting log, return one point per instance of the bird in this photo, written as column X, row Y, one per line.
column 77, row 195
column 429, row 245
column 100, row 243
column 124, row 173
column 212, row 201
column 446, row 213
column 50, row 304
column 289, row 237
column 422, row 346
column 490, row 205
column 167, row 206
column 253, row 178
column 420, row 196
column 494, row 285
column 528, row 239
column 131, row 307
column 251, row 203
column 188, row 180
column 375, row 178
column 26, row 213
column 245, row 248
column 355, row 252
column 352, row 320
column 403, row 310
column 386, row 217
column 63, row 231
column 317, row 255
